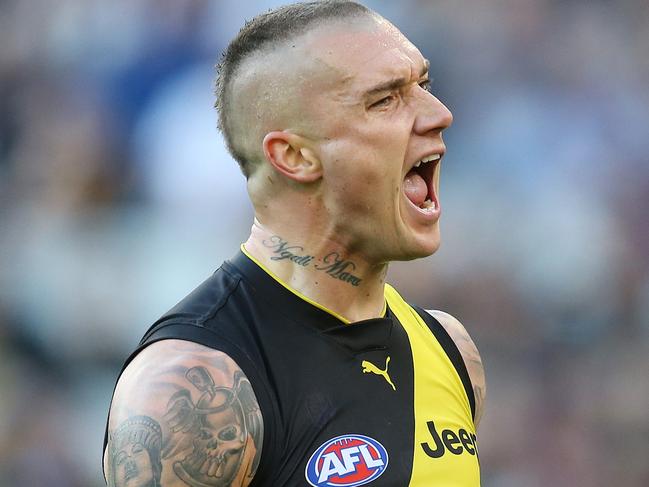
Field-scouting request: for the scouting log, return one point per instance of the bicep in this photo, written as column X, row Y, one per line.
column 471, row 357
column 183, row 414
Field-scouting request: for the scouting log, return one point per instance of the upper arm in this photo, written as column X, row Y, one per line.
column 183, row 414
column 470, row 355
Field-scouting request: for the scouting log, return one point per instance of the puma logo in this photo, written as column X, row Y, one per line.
column 369, row 367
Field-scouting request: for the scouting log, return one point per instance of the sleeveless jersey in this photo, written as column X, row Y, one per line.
column 383, row 402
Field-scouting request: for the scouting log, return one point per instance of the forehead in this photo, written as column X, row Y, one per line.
column 356, row 56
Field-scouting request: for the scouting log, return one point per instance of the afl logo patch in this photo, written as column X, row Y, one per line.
column 347, row 461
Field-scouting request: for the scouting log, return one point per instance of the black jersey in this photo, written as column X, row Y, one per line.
column 384, row 401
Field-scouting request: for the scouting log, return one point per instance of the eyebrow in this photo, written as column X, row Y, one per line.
column 394, row 83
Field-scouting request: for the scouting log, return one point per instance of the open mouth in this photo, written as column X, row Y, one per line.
column 419, row 186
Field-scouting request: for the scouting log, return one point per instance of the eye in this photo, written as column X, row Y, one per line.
column 383, row 102
column 425, row 84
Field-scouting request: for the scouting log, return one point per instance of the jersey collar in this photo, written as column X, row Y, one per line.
column 358, row 336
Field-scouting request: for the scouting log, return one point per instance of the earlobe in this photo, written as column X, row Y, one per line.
column 288, row 154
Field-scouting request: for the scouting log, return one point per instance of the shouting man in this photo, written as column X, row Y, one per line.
column 295, row 363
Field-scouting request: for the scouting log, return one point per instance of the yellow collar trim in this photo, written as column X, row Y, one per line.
column 299, row 294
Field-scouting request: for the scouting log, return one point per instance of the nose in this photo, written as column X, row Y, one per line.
column 433, row 116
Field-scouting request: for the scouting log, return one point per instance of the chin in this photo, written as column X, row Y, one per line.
column 426, row 250
column 420, row 246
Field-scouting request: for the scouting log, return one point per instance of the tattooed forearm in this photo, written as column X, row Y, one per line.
column 207, row 430
column 331, row 264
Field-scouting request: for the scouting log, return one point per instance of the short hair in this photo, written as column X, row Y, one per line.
column 267, row 31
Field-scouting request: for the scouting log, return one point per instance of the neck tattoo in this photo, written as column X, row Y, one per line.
column 331, row 264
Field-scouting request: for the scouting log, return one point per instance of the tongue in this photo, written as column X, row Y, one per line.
column 415, row 188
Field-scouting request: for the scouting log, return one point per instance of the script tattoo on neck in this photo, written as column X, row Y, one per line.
column 331, row 264
column 283, row 250
column 339, row 268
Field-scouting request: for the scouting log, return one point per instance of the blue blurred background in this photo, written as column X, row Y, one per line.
column 117, row 198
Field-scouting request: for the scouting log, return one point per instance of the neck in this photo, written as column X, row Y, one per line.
column 323, row 270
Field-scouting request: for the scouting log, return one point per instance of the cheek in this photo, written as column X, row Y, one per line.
column 364, row 165
column 358, row 182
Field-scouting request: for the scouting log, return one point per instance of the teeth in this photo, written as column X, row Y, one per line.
column 434, row 157
column 428, row 204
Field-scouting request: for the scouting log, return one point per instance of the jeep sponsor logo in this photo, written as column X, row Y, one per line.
column 455, row 442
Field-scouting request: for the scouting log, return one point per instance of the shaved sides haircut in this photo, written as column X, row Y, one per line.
column 263, row 34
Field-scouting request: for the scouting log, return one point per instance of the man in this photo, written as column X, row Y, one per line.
column 295, row 363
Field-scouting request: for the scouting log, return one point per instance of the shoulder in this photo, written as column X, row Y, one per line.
column 183, row 414
column 470, row 354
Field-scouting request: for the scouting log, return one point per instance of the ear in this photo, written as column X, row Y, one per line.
column 291, row 156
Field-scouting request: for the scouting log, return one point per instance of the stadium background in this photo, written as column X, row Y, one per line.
column 117, row 198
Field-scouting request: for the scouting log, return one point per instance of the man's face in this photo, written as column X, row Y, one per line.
column 374, row 121
column 133, row 467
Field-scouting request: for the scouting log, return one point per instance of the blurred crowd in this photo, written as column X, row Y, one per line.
column 117, row 197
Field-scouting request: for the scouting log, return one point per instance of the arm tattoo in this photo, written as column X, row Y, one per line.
column 209, row 435
column 479, row 394
column 331, row 264
column 134, row 453
column 218, row 425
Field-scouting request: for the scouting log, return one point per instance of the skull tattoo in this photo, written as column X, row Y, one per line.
column 220, row 423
